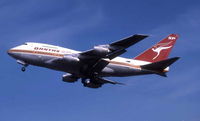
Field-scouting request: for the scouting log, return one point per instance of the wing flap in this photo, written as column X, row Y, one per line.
column 99, row 66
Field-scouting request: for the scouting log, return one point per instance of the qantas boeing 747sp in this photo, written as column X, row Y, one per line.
column 101, row 61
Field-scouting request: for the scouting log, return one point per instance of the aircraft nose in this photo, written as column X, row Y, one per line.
column 9, row 52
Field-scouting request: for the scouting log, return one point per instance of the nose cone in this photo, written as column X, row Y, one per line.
column 9, row 52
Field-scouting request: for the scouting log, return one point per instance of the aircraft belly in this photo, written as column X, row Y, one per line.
column 46, row 61
column 30, row 58
column 66, row 66
column 119, row 71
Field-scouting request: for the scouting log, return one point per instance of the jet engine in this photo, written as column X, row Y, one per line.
column 90, row 84
column 69, row 78
column 101, row 50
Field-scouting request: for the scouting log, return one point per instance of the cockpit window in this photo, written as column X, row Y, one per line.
column 25, row 44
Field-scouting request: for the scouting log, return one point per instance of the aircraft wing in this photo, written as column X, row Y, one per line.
column 129, row 41
column 114, row 49
column 94, row 57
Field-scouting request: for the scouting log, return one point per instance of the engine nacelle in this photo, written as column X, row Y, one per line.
column 101, row 50
column 69, row 78
column 90, row 84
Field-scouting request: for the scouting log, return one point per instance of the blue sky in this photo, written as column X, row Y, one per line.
column 39, row 94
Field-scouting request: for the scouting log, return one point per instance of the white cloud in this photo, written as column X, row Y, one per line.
column 187, row 26
column 57, row 27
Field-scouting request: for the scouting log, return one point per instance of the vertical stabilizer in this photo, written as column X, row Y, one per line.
column 159, row 51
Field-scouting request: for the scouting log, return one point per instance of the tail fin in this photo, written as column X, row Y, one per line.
column 159, row 51
column 158, row 67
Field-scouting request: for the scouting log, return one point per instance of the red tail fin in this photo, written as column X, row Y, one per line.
column 159, row 51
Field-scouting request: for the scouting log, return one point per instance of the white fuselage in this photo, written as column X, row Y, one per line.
column 44, row 55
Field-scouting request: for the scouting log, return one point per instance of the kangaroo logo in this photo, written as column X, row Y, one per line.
column 159, row 47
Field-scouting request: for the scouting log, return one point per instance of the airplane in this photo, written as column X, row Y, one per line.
column 93, row 65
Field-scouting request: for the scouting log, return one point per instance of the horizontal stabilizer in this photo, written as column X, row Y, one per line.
column 159, row 66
